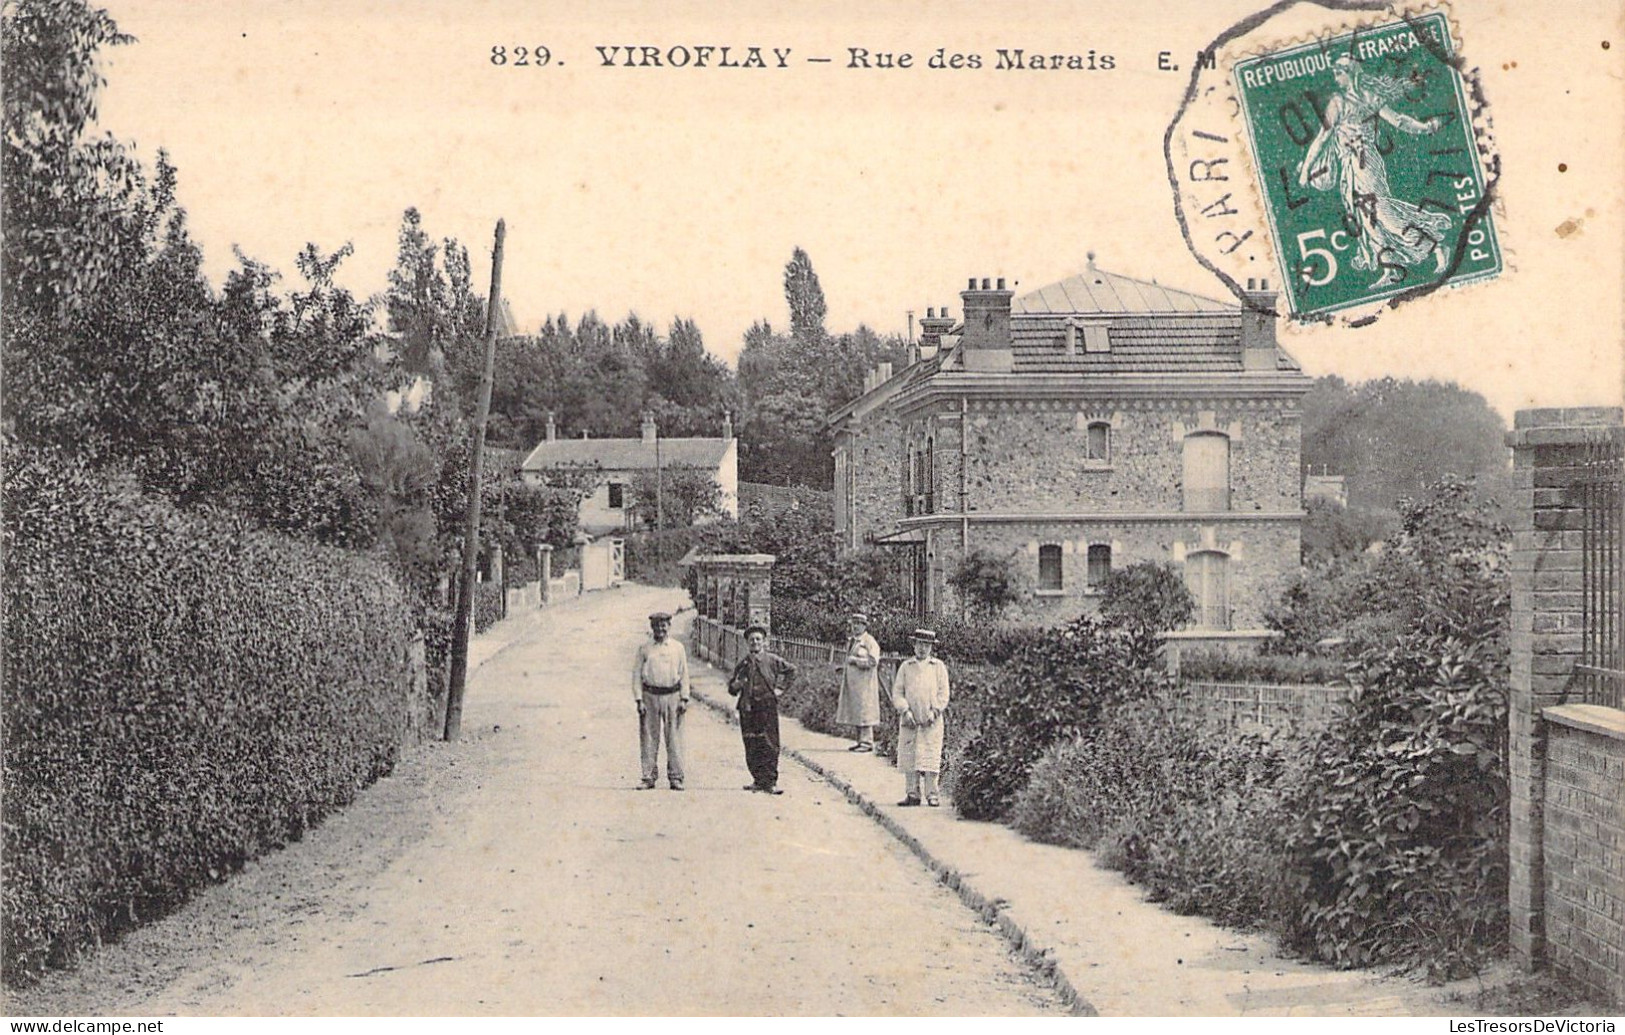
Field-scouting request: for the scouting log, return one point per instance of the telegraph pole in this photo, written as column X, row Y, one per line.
column 464, row 618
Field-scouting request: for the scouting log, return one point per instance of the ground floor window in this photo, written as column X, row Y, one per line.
column 1100, row 564
column 1207, row 576
column 617, row 496
column 1049, row 568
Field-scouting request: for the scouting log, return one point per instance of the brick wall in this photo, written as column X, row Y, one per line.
column 1565, row 846
column 1288, row 709
column 1584, row 847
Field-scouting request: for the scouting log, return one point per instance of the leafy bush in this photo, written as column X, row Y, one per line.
column 988, row 583
column 1147, row 597
column 1447, row 557
column 1219, row 666
column 1400, row 852
column 1053, row 689
column 1188, row 811
column 960, row 640
column 180, row 694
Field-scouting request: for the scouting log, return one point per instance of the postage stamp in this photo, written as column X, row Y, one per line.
column 1367, row 164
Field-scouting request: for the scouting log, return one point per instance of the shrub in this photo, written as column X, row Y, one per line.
column 1399, row 852
column 180, row 694
column 1055, row 687
column 487, row 605
column 1219, row 666
column 1146, row 596
column 988, row 583
column 1187, row 811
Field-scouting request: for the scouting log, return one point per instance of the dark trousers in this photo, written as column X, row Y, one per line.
column 759, row 725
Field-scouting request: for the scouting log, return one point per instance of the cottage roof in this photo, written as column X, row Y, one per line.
column 628, row 454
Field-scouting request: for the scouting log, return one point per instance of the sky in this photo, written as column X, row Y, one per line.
column 682, row 191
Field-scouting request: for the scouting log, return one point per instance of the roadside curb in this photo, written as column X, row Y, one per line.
column 991, row 910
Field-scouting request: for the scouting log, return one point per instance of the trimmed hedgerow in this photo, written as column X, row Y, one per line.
column 487, row 605
column 180, row 694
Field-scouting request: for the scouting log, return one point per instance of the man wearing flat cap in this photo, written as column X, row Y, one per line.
column 860, row 683
column 660, row 687
column 759, row 680
column 920, row 695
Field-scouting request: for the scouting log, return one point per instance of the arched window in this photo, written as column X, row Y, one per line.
column 1049, row 568
column 1099, row 442
column 1207, row 472
column 1207, row 576
column 1100, row 564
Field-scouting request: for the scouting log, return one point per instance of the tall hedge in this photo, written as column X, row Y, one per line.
column 180, row 694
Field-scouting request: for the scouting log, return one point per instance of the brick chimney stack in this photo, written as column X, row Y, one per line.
column 552, row 428
column 1258, row 326
column 648, row 427
column 936, row 323
column 986, row 343
column 727, row 425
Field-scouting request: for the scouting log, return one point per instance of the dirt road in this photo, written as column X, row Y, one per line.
column 521, row 873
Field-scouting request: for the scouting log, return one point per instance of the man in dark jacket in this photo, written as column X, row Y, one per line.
column 758, row 681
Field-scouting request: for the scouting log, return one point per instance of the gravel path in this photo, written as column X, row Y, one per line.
column 519, row 872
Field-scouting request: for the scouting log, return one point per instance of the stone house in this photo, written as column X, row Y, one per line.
column 617, row 463
column 1082, row 427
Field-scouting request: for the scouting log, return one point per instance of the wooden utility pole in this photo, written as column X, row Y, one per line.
column 464, row 618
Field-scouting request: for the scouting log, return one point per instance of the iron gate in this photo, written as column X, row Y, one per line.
column 1600, row 672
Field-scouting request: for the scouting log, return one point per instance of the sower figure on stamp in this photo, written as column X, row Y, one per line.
column 759, row 679
column 920, row 695
column 1393, row 232
column 860, row 683
column 660, row 686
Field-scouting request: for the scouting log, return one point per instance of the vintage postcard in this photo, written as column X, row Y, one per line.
column 1036, row 291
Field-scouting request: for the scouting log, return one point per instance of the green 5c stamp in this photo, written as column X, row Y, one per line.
column 1368, row 165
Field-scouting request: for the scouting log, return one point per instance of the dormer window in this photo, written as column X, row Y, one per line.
column 1096, row 338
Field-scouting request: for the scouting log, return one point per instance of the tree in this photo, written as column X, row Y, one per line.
column 1147, row 598
column 987, row 583
column 806, row 300
column 682, row 497
column 1393, row 438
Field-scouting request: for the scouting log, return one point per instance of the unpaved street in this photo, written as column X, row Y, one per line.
column 542, row 882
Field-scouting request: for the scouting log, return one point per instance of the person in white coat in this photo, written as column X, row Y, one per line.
column 859, row 705
column 920, row 695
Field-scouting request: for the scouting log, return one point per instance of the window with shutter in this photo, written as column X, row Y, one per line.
column 1207, row 576
column 1207, row 472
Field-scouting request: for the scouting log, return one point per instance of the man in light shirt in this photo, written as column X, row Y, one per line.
column 660, row 687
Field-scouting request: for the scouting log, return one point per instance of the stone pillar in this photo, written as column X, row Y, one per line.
column 756, row 572
column 544, row 565
column 499, row 577
column 1546, row 635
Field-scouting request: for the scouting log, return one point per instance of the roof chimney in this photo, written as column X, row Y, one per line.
column 1258, row 326
column 937, row 322
column 648, row 427
column 727, row 425
column 552, row 428
column 986, row 342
